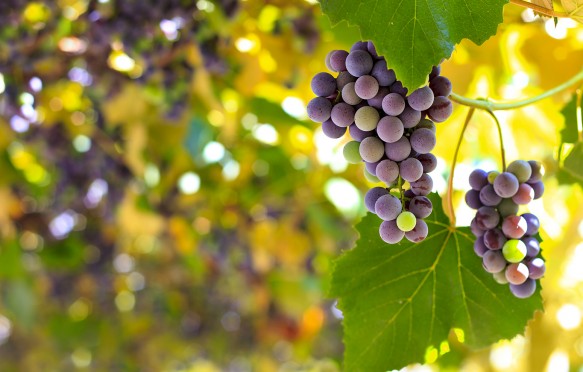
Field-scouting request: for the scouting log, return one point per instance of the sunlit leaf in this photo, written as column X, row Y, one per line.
column 416, row 35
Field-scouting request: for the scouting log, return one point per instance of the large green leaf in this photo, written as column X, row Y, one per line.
column 399, row 300
column 415, row 35
column 569, row 132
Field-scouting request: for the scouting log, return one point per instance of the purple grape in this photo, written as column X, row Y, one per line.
column 390, row 233
column 323, row 84
column 327, row 60
column 338, row 60
column 524, row 290
column 397, row 87
column 366, row 87
column 359, row 45
column 435, row 71
column 441, row 109
column 514, row 227
column 494, row 239
column 475, row 229
column 536, row 171
column 344, row 78
column 487, row 218
column 398, row 151
column 419, row 232
column 420, row 206
column 479, row 247
column 536, row 268
column 371, row 167
column 357, row 134
column 532, row 246
column 488, row 196
column 539, row 189
column 372, row 149
column 441, row 86
column 478, row 179
column 359, row 63
column 390, row 129
column 377, row 101
column 421, row 99
column 349, row 94
column 371, row 197
column 524, row 195
column 384, row 76
column 516, row 273
column 319, row 109
column 423, row 140
column 387, row 171
column 410, row 169
column 493, row 261
column 410, row 117
column 429, row 162
column 506, row 184
column 332, row 130
column 507, row 207
column 342, row 114
column 532, row 223
column 371, row 49
column 423, row 186
column 393, row 104
column 388, row 207
column 473, row 199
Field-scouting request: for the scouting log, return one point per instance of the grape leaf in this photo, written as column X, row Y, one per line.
column 569, row 132
column 415, row 35
column 572, row 169
column 574, row 8
column 398, row 300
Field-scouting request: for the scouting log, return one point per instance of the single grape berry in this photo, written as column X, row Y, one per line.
column 406, row 221
column 419, row 232
column 390, row 233
column 514, row 250
column 523, row 290
column 506, row 185
column 351, row 152
column 388, row 207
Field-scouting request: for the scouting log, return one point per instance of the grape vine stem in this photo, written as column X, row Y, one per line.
column 450, row 181
column 540, row 9
column 486, row 104
column 501, row 137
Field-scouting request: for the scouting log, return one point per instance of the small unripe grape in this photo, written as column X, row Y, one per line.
column 514, row 250
column 406, row 221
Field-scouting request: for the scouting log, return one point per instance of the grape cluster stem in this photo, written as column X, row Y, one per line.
column 490, row 106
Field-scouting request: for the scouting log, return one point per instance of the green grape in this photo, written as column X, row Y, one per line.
column 352, row 153
column 406, row 221
column 366, row 118
column 521, row 169
column 500, row 277
column 492, row 176
column 514, row 250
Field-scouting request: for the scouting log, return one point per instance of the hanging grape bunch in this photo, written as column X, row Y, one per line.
column 392, row 132
column 506, row 241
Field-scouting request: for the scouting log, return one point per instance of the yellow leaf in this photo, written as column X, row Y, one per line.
column 574, row 8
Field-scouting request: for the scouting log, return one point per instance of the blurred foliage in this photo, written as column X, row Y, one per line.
column 165, row 204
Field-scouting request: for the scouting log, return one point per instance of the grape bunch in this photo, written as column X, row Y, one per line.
column 506, row 241
column 392, row 132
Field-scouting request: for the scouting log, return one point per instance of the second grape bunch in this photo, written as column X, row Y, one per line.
column 392, row 132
